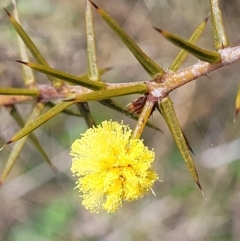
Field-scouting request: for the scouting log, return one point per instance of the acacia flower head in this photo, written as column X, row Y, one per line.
column 111, row 167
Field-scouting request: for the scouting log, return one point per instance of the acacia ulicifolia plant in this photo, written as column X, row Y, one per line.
column 118, row 169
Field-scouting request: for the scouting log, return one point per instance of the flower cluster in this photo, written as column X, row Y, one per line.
column 111, row 167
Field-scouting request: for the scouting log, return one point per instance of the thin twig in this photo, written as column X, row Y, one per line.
column 158, row 88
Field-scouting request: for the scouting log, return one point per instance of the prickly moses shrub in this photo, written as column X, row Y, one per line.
column 110, row 160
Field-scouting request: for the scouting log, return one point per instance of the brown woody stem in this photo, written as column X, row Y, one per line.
column 158, row 87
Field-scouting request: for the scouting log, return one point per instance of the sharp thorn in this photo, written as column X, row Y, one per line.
column 9, row 15
column 22, row 62
column 3, row 147
column 206, row 19
column 9, row 142
column 204, row 195
column 157, row 29
column 94, row 4
column 236, row 112
column 235, row 118
column 200, row 187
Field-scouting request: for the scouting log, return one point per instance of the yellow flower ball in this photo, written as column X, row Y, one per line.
column 111, row 167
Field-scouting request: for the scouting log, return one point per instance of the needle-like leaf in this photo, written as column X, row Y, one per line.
column 29, row 78
column 29, row 127
column 183, row 53
column 148, row 64
column 85, row 111
column 142, row 119
column 32, row 47
column 182, row 56
column 18, row 118
column 219, row 34
column 93, row 71
column 204, row 55
column 19, row 91
column 65, row 76
column 170, row 117
column 12, row 159
column 66, row 111
column 137, row 88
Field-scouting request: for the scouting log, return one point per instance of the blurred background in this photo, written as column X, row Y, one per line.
column 36, row 204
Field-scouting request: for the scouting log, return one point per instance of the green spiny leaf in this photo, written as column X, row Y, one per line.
column 29, row 78
column 204, row 55
column 19, row 91
column 137, row 88
column 179, row 60
column 84, row 110
column 12, row 158
column 172, row 122
column 29, row 127
column 183, row 53
column 32, row 47
column 18, row 118
column 19, row 145
column 65, row 76
column 142, row 119
column 219, row 34
column 148, row 64
column 66, row 111
column 93, row 71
